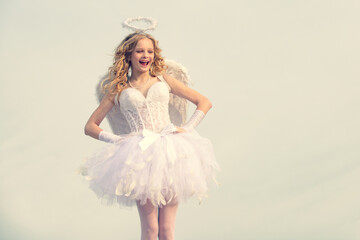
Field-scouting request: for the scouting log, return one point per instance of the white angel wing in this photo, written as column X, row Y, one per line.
column 177, row 105
column 115, row 117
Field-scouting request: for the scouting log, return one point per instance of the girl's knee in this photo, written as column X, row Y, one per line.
column 151, row 231
column 167, row 232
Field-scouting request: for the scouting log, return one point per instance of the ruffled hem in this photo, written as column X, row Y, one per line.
column 174, row 167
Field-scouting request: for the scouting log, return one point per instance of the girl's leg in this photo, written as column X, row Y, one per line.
column 149, row 221
column 167, row 215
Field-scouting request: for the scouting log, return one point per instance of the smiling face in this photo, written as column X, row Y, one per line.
column 143, row 55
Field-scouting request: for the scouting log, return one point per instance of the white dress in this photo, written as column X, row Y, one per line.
column 152, row 162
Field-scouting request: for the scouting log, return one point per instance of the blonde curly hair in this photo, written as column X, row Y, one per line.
column 117, row 79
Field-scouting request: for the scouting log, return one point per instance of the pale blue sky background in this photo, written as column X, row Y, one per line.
column 283, row 77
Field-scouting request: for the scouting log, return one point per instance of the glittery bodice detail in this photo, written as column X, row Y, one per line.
column 150, row 112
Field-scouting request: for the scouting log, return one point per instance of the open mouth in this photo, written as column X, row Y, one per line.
column 144, row 63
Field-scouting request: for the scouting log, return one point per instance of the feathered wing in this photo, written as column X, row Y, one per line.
column 115, row 117
column 177, row 105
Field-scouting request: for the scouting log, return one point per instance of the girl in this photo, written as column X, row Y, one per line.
column 157, row 165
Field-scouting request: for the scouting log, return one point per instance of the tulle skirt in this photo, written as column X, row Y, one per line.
column 172, row 168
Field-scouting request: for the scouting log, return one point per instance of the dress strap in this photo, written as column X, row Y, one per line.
column 163, row 80
column 117, row 99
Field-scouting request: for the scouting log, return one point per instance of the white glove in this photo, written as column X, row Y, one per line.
column 194, row 120
column 109, row 137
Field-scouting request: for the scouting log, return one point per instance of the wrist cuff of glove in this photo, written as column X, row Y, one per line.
column 108, row 137
column 195, row 119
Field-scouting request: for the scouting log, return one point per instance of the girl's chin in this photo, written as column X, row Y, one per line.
column 142, row 70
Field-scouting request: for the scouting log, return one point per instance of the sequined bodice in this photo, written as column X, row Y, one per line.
column 150, row 112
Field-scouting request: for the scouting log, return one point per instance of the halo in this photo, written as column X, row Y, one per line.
column 128, row 23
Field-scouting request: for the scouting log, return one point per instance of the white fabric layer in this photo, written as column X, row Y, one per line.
column 175, row 166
